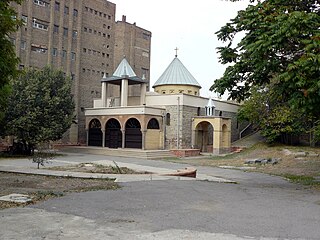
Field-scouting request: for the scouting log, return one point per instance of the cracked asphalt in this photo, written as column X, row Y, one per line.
column 258, row 207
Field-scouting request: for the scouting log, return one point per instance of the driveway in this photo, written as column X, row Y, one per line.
column 258, row 207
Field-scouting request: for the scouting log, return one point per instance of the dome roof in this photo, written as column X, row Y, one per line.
column 176, row 74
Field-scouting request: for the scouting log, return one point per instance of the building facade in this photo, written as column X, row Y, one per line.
column 160, row 120
column 79, row 37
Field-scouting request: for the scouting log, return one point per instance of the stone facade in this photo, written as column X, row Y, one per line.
column 78, row 37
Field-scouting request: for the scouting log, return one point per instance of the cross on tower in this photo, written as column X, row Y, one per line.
column 176, row 49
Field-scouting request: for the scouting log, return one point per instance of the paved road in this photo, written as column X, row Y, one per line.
column 258, row 207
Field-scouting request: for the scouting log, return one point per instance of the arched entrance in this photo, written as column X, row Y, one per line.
column 95, row 133
column 204, row 136
column 113, row 137
column 133, row 136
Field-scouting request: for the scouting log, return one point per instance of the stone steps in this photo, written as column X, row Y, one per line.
column 129, row 153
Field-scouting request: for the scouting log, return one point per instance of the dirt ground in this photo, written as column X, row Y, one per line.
column 292, row 162
column 41, row 188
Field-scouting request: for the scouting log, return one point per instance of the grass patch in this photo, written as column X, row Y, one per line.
column 304, row 180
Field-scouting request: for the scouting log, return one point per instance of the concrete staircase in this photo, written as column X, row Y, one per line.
column 128, row 153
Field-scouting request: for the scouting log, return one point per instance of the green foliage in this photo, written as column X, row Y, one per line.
column 8, row 59
column 276, row 64
column 40, row 107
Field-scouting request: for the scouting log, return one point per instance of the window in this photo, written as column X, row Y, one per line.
column 21, row 66
column 64, row 53
column 73, row 56
column 109, row 36
column 146, row 36
column 83, row 70
column 57, row 6
column 104, row 25
column 104, row 35
column 38, row 49
column 104, row 15
column 168, row 119
column 85, row 29
column 55, row 29
column 23, row 45
column 65, row 32
column 153, row 124
column 108, row 55
column 109, row 27
column 40, row 3
column 90, row 30
column 75, row 12
column 54, row 52
column 95, row 31
column 74, row 34
column 86, row 8
column 100, row 14
column 73, row 76
column 66, row 10
column 89, row 51
column 38, row 25
column 109, row 17
column 24, row 19
column 103, row 54
column 91, row 10
column 84, row 50
column 95, row 12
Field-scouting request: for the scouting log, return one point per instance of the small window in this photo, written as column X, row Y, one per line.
column 100, row 14
column 104, row 35
column 55, row 28
column 86, row 8
column 91, row 10
column 73, row 76
column 104, row 25
column 23, row 45
column 54, row 52
column 109, row 17
column 75, row 12
column 13, row 41
column 83, row 70
column 109, row 27
column 74, row 34
column 73, row 56
column 40, row 3
column 90, row 30
column 109, row 36
column 168, row 119
column 104, row 15
column 64, row 53
column 85, row 29
column 108, row 55
column 84, row 50
column 163, row 92
column 24, row 20
column 95, row 12
column 65, row 32
column 195, row 93
column 66, row 10
column 57, row 6
column 95, row 32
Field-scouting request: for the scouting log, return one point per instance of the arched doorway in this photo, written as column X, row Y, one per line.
column 133, row 134
column 95, row 133
column 204, row 136
column 113, row 138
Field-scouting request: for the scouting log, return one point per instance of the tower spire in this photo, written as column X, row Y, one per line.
column 176, row 49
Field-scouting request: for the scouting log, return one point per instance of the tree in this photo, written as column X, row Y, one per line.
column 40, row 107
column 8, row 59
column 280, row 52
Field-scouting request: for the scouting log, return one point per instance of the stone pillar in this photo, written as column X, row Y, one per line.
column 193, row 138
column 103, row 138
column 143, row 92
column 143, row 139
column 123, row 138
column 104, row 92
column 124, row 92
column 87, row 134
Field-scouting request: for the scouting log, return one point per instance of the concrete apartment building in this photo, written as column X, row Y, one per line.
column 81, row 38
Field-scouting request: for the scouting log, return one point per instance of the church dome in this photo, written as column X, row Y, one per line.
column 176, row 74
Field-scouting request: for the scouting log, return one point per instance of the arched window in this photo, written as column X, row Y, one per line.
column 168, row 119
column 153, row 124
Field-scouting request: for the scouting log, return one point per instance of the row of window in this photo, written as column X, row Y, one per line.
column 66, row 9
column 92, row 71
column 89, row 30
column 172, row 91
column 98, row 13
column 65, row 31
column 56, row 7
column 94, row 52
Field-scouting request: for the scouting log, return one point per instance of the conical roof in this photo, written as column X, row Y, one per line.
column 176, row 74
column 124, row 69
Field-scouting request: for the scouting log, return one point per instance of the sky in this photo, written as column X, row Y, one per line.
column 188, row 25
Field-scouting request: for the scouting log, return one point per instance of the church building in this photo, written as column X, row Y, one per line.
column 174, row 116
